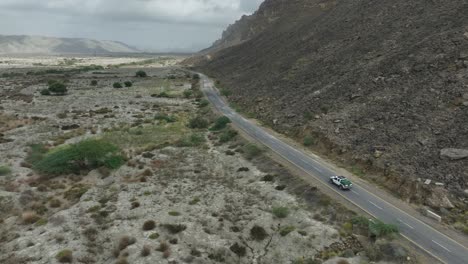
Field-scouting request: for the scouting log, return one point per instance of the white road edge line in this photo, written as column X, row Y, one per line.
column 441, row 246
column 375, row 205
column 405, row 223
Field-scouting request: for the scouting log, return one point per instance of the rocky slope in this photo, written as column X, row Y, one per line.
column 49, row 45
column 380, row 86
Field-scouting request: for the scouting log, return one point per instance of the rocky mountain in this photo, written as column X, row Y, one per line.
column 379, row 86
column 49, row 45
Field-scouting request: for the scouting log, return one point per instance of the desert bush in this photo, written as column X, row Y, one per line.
column 251, row 151
column 188, row 94
column 58, row 88
column 285, row 230
column 30, row 217
column 381, row 229
column 65, row 256
column 45, row 91
column 125, row 241
column 174, row 213
column 239, row 250
column 198, row 123
column 164, row 117
column 268, row 178
column 145, row 251
column 4, row 170
column 154, row 236
column 85, row 155
column 196, row 77
column 204, row 103
column 117, row 85
column 258, row 233
column 280, row 211
column 94, row 82
column 141, row 74
column 308, row 141
column 175, row 228
column 227, row 135
column 194, row 140
column 55, row 203
column 220, row 123
column 163, row 246
column 225, row 92
column 149, row 225
column 128, row 84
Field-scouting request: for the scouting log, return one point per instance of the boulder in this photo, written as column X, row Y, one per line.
column 454, row 154
column 439, row 199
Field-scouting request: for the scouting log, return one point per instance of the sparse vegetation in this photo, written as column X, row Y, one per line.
column 285, row 230
column 194, row 140
column 308, row 141
column 128, row 84
column 4, row 170
column 94, row 83
column 85, row 155
column 251, row 151
column 117, row 85
column 30, row 217
column 175, row 228
column 164, row 117
column 57, row 88
column 280, row 211
column 65, row 256
column 174, row 213
column 45, row 92
column 141, row 74
column 220, row 123
column 227, row 135
column 198, row 123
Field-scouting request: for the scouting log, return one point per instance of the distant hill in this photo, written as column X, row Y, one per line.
column 50, row 45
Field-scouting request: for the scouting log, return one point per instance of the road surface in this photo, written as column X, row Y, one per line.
column 422, row 235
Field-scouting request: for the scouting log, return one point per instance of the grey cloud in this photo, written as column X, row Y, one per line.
column 152, row 24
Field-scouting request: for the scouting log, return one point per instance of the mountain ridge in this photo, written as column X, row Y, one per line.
column 29, row 44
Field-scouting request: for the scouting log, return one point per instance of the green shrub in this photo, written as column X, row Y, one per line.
column 154, row 236
column 175, row 228
column 36, row 153
column 258, row 233
column 141, row 74
column 309, row 141
column 193, row 140
column 65, row 256
column 227, row 135
column 381, row 229
column 220, row 123
column 198, row 123
column 251, row 151
column 225, row 92
column 196, row 77
column 174, row 213
column 4, row 170
column 94, row 82
column 188, row 93
column 128, row 84
column 58, row 88
column 117, row 85
column 45, row 92
column 285, row 230
column 280, row 211
column 149, row 225
column 85, row 155
column 167, row 118
column 204, row 103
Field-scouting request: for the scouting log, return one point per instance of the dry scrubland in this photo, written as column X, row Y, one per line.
column 147, row 173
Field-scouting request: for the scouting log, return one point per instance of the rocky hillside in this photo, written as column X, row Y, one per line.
column 48, row 45
column 380, row 86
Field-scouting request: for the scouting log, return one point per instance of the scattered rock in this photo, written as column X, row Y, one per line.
column 454, row 154
column 427, row 182
column 439, row 199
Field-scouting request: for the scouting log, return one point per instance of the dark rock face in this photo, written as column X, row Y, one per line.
column 394, row 73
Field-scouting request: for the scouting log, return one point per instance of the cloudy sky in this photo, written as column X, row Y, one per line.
column 157, row 25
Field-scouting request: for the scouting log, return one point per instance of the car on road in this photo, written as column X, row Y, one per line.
column 342, row 182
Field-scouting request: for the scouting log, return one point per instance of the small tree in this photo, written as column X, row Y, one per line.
column 117, row 85
column 58, row 88
column 220, row 123
column 128, row 84
column 141, row 74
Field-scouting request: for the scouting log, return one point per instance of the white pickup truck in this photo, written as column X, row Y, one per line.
column 342, row 182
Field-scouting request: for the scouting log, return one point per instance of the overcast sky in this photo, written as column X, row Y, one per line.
column 157, row 25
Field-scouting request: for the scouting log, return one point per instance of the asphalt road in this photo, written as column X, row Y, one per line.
column 424, row 236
